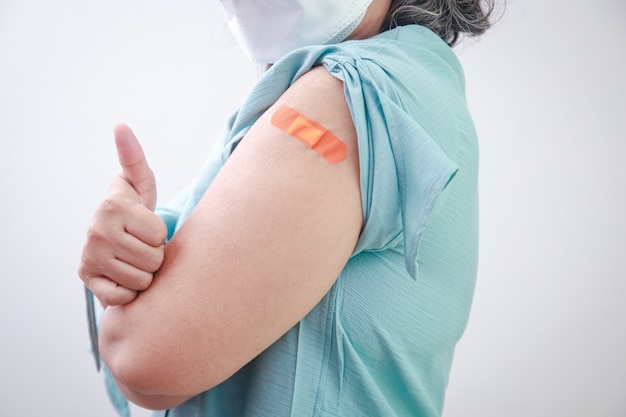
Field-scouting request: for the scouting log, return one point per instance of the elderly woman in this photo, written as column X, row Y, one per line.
column 323, row 262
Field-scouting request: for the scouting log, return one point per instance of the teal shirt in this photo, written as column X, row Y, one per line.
column 381, row 342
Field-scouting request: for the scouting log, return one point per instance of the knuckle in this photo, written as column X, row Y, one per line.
column 156, row 226
column 93, row 261
column 155, row 259
column 89, row 266
column 103, row 226
column 133, row 280
column 95, row 237
column 109, row 292
column 111, row 204
column 86, row 267
column 118, row 296
column 143, row 281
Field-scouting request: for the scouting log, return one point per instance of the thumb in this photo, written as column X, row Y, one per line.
column 135, row 168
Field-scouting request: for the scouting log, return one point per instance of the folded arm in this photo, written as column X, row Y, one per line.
column 263, row 246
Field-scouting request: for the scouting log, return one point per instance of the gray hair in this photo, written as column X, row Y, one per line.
column 447, row 18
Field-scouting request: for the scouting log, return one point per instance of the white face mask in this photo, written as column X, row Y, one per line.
column 268, row 29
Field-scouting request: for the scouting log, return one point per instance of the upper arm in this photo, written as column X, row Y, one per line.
column 263, row 246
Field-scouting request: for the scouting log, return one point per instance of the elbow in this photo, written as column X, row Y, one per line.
column 138, row 378
column 133, row 376
column 142, row 371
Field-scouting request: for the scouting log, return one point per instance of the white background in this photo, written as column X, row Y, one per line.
column 547, row 88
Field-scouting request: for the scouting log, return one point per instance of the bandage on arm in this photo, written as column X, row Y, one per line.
column 311, row 133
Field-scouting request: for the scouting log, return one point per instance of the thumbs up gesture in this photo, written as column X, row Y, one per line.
column 124, row 245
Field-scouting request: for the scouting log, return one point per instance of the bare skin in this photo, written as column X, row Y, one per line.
column 264, row 245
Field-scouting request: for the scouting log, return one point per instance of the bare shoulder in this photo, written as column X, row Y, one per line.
column 264, row 245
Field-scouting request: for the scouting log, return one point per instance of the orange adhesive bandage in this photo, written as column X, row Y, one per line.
column 313, row 134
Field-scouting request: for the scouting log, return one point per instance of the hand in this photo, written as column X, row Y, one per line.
column 125, row 240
